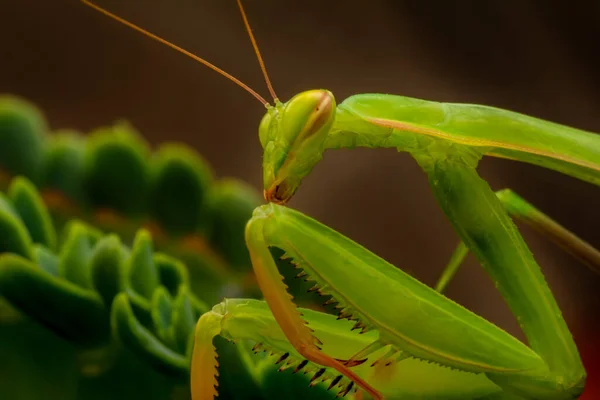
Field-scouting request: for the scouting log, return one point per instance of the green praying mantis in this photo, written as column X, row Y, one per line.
column 406, row 326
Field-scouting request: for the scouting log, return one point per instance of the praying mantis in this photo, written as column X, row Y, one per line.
column 391, row 309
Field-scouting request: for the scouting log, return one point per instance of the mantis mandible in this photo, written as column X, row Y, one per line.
column 447, row 141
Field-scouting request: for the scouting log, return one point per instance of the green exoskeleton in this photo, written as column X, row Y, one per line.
column 447, row 141
column 409, row 319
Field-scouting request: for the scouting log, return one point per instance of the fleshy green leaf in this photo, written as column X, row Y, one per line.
column 33, row 212
column 142, row 275
column 143, row 343
column 180, row 181
column 63, row 165
column 106, row 263
column 74, row 257
column 140, row 278
column 162, row 309
column 93, row 234
column 184, row 319
column 14, row 237
column 74, row 313
column 46, row 260
column 173, row 272
column 232, row 204
column 116, row 170
column 22, row 135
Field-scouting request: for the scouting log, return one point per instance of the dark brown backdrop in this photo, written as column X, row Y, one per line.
column 538, row 58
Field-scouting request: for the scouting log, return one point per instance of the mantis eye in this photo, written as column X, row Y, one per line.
column 307, row 115
column 263, row 129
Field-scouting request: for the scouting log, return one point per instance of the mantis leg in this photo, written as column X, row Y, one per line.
column 251, row 320
column 523, row 211
column 452, row 267
column 527, row 213
column 484, row 225
column 408, row 315
column 284, row 310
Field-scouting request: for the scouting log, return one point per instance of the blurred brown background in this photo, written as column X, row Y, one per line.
column 538, row 58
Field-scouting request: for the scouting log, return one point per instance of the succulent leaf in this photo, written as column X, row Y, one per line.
column 180, row 184
column 22, row 134
column 143, row 343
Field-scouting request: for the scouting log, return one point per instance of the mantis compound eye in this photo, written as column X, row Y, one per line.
column 263, row 129
column 306, row 117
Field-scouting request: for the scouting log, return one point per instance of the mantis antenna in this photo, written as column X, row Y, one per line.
column 257, row 52
column 195, row 57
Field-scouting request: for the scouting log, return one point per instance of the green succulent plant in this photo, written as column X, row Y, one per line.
column 109, row 253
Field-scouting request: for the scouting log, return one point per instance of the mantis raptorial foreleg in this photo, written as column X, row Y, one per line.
column 521, row 210
column 241, row 320
column 252, row 320
column 407, row 314
column 276, row 295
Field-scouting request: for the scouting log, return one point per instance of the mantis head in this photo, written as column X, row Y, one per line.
column 293, row 137
column 292, row 134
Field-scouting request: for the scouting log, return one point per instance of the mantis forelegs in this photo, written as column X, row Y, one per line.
column 414, row 318
column 521, row 210
column 284, row 310
column 408, row 315
column 242, row 320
